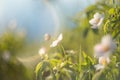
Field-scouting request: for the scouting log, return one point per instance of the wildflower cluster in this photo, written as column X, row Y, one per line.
column 77, row 65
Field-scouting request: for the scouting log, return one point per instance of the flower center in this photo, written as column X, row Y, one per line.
column 106, row 48
column 103, row 61
column 97, row 20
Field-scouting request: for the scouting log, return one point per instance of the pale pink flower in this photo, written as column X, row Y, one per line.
column 106, row 47
column 108, row 43
column 98, row 50
column 103, row 51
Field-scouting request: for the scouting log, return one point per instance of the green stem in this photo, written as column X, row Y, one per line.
column 63, row 50
column 64, row 53
column 79, row 63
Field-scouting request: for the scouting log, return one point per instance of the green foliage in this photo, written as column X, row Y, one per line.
column 10, row 68
column 65, row 68
column 112, row 24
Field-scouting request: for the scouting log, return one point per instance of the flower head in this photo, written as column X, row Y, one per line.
column 106, row 47
column 42, row 51
column 98, row 49
column 47, row 37
column 108, row 43
column 97, row 20
column 103, row 51
column 58, row 40
column 60, row 37
column 103, row 61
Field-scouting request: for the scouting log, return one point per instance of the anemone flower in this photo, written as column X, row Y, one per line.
column 108, row 44
column 103, row 51
column 97, row 20
column 57, row 41
column 106, row 47
column 47, row 37
column 98, row 50
column 42, row 51
column 103, row 61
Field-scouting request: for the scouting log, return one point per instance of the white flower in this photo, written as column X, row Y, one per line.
column 103, row 61
column 55, row 43
column 42, row 51
column 97, row 20
column 60, row 37
column 103, row 51
column 106, row 47
column 99, row 67
column 108, row 44
column 47, row 37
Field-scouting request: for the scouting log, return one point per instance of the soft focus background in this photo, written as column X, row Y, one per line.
column 23, row 24
column 38, row 17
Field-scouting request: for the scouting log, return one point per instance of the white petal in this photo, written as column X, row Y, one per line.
column 42, row 51
column 54, row 43
column 97, row 20
column 92, row 21
column 98, row 51
column 60, row 37
column 99, row 66
column 104, row 58
column 97, row 15
column 108, row 41
column 100, row 22
column 108, row 60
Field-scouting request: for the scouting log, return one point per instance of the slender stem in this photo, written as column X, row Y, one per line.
column 64, row 53
column 79, row 63
column 63, row 50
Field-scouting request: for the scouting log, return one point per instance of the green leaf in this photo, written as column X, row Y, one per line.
column 111, row 11
column 54, row 62
column 114, row 59
column 97, row 75
column 105, row 26
column 84, row 55
column 38, row 67
column 91, row 60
